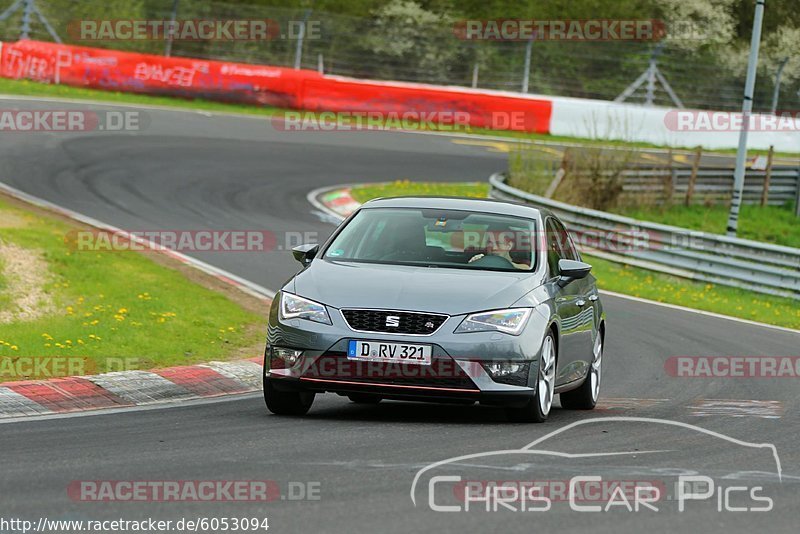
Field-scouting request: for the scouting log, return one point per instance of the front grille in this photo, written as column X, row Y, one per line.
column 394, row 322
column 443, row 372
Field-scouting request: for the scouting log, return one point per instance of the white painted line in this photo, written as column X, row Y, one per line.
column 313, row 199
column 132, row 409
column 737, row 408
column 700, row 312
column 247, row 286
column 627, row 403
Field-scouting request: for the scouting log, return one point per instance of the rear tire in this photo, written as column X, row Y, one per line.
column 585, row 397
column 287, row 402
column 364, row 398
column 538, row 408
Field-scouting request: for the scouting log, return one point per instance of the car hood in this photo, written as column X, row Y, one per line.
column 399, row 287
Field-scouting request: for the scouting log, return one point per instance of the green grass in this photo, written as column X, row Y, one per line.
column 770, row 224
column 708, row 297
column 632, row 280
column 5, row 301
column 121, row 305
column 428, row 189
column 31, row 88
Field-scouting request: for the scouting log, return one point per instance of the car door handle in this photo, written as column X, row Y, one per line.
column 581, row 303
column 593, row 298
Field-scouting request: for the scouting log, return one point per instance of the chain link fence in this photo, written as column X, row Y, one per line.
column 397, row 47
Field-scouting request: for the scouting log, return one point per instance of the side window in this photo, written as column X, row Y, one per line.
column 553, row 249
column 565, row 241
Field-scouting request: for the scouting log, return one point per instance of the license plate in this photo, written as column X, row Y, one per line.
column 380, row 351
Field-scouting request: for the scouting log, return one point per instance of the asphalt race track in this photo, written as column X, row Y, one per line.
column 191, row 171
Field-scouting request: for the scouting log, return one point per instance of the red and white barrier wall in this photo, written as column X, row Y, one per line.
column 309, row 90
column 602, row 119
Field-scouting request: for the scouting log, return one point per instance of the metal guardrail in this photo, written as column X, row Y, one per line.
column 718, row 259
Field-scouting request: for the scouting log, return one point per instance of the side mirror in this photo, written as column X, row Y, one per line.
column 570, row 270
column 305, row 253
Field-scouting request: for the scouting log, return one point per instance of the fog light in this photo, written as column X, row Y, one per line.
column 512, row 373
column 284, row 358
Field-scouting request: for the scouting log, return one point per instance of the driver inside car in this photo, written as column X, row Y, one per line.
column 501, row 245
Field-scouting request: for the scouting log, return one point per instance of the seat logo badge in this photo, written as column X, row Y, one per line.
column 429, row 325
column 392, row 320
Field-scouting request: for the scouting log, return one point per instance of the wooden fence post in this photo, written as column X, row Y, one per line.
column 767, row 176
column 698, row 154
column 559, row 177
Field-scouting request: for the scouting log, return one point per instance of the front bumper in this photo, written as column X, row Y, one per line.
column 456, row 372
column 511, row 397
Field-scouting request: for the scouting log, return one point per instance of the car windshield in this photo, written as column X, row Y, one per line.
column 437, row 238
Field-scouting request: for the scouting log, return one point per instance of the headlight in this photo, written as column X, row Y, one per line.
column 294, row 307
column 509, row 321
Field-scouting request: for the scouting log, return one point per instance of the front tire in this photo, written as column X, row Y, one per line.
column 287, row 402
column 538, row 408
column 585, row 397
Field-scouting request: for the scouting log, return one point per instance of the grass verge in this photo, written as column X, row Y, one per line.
column 31, row 88
column 707, row 297
column 408, row 188
column 770, row 224
column 106, row 307
column 628, row 280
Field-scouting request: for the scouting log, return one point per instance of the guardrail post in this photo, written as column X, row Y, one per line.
column 698, row 154
column 797, row 195
column 767, row 176
column 667, row 180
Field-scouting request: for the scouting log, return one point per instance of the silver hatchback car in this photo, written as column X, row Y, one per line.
column 439, row 299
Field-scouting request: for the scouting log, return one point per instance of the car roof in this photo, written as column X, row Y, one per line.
column 480, row 205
